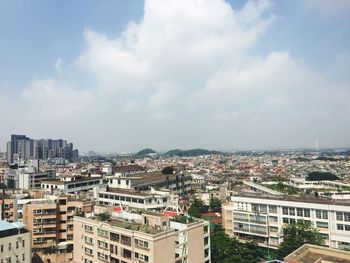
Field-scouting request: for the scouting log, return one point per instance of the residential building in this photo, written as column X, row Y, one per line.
column 134, row 199
column 23, row 148
column 154, row 239
column 8, row 208
column 75, row 186
column 51, row 221
column 178, row 183
column 126, row 170
column 15, row 243
column 261, row 218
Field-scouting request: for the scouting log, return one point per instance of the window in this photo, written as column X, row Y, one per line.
column 285, row 210
column 322, row 224
column 141, row 257
column 126, row 253
column 88, row 261
column 113, row 249
column 300, row 212
column 321, row 214
column 88, row 251
column 340, row 216
column 102, row 244
column 273, row 219
column 125, row 240
column 23, row 243
column 347, row 227
column 273, row 229
column 37, row 212
column 340, row 227
column 291, row 211
column 23, row 257
column 9, row 246
column 16, row 244
column 88, row 240
column 89, row 228
column 114, row 237
column 263, row 208
column 102, row 256
column 102, row 232
column 2, row 248
column 141, row 243
column 288, row 220
column 273, row 209
column 324, row 236
column 306, row 212
column 347, row 217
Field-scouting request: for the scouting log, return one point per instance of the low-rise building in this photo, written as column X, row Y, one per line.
column 178, row 183
column 261, row 218
column 74, row 186
column 8, row 208
column 15, row 242
column 137, row 200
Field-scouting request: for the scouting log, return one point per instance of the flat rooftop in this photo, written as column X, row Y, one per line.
column 317, row 254
column 129, row 225
column 297, row 198
column 125, row 192
column 57, row 181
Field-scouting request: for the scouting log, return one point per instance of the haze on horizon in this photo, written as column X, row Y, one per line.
column 118, row 76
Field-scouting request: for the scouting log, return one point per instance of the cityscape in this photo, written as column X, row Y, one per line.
column 175, row 131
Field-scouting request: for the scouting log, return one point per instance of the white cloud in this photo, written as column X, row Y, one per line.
column 48, row 97
column 59, row 65
column 186, row 75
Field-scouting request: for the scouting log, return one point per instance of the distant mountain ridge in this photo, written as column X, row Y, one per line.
column 189, row 153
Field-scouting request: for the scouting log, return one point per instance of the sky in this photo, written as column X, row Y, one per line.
column 119, row 76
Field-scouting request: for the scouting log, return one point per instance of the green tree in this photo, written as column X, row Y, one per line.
column 168, row 170
column 227, row 250
column 197, row 207
column 103, row 216
column 215, row 204
column 297, row 234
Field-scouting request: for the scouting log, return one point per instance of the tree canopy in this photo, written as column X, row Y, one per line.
column 215, row 204
column 192, row 152
column 168, row 170
column 297, row 234
column 227, row 250
column 321, row 176
column 197, row 207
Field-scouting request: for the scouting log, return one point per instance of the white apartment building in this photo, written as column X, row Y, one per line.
column 133, row 199
column 68, row 187
column 178, row 183
column 262, row 218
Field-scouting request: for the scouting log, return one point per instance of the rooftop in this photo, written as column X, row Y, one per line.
column 125, row 192
column 129, row 225
column 297, row 198
column 317, row 254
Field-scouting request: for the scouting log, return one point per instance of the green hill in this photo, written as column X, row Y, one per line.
column 192, row 152
column 145, row 152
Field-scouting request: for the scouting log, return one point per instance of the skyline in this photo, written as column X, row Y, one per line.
column 177, row 74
